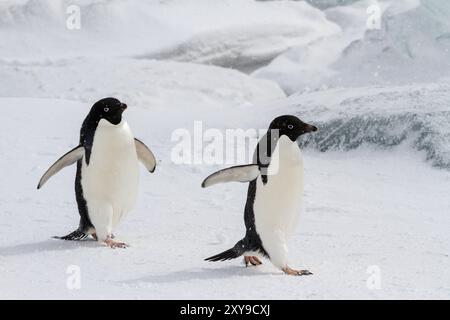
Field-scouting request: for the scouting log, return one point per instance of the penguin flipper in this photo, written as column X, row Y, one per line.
column 76, row 235
column 245, row 173
column 233, row 253
column 66, row 160
column 145, row 155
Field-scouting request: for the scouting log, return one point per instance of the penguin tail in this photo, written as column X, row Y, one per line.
column 77, row 235
column 233, row 253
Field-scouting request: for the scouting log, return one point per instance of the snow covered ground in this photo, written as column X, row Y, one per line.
column 363, row 208
column 377, row 210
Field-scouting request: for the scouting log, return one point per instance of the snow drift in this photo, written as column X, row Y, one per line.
column 239, row 33
column 254, row 33
column 380, row 117
column 149, row 84
column 412, row 45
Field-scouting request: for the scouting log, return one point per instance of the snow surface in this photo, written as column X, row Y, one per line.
column 377, row 175
column 392, row 212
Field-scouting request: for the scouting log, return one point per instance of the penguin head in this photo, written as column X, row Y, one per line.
column 291, row 126
column 109, row 109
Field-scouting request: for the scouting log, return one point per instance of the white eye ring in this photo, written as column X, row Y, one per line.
column 290, row 126
column 106, row 109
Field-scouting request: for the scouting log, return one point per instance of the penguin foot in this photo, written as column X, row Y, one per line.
column 293, row 272
column 115, row 244
column 253, row 260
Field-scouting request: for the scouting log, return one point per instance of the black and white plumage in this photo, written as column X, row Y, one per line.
column 107, row 178
column 274, row 194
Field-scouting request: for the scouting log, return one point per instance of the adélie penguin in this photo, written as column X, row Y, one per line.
column 274, row 195
column 107, row 178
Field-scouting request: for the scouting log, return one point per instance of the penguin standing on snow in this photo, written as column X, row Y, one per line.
column 274, row 195
column 106, row 183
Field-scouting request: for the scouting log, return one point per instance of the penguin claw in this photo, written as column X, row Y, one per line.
column 114, row 244
column 293, row 272
column 253, row 260
column 120, row 245
column 304, row 273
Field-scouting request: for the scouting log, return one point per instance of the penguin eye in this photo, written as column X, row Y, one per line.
column 290, row 126
column 106, row 109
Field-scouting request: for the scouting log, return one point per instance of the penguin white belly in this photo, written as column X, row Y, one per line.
column 110, row 181
column 278, row 202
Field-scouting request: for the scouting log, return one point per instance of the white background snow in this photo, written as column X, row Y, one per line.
column 377, row 171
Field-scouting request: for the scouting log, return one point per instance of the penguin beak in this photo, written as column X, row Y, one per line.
column 123, row 107
column 310, row 128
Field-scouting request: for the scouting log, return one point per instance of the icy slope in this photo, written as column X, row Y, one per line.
column 308, row 65
column 381, row 117
column 253, row 35
column 392, row 213
column 412, row 45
